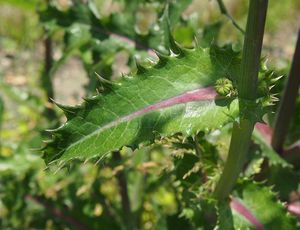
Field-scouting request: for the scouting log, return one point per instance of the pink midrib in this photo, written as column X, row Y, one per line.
column 201, row 94
column 236, row 205
column 265, row 130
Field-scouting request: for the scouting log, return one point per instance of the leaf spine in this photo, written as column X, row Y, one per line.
column 69, row 111
column 162, row 58
column 140, row 69
column 105, row 81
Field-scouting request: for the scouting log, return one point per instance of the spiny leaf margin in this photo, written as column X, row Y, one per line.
column 173, row 75
column 264, row 205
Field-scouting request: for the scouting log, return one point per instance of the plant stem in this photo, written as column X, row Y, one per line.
column 121, row 177
column 247, row 84
column 46, row 80
column 240, row 141
column 224, row 11
column 60, row 214
column 292, row 154
column 288, row 101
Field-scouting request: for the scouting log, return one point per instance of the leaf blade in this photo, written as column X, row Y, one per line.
column 171, row 97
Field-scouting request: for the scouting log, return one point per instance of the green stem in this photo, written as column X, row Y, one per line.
column 224, row 11
column 46, row 78
column 46, row 81
column 63, row 215
column 126, row 206
column 247, row 85
column 288, row 101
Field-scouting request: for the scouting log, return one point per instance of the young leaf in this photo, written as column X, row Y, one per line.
column 176, row 95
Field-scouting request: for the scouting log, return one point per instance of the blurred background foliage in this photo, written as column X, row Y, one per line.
column 107, row 36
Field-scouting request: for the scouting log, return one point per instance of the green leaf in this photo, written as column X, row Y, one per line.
column 176, row 95
column 77, row 36
column 176, row 8
column 257, row 207
column 210, row 34
column 162, row 39
column 285, row 180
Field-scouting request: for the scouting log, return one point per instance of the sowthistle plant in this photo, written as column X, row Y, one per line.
column 188, row 91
